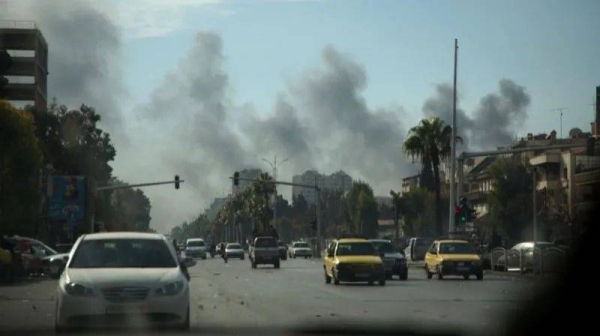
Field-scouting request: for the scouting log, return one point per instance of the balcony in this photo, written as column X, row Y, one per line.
column 476, row 195
column 545, row 159
column 549, row 184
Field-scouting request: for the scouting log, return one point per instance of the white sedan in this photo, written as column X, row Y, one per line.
column 123, row 279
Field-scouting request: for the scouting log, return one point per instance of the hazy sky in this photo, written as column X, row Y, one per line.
column 203, row 88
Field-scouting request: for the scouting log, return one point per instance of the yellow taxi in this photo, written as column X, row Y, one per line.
column 452, row 257
column 353, row 260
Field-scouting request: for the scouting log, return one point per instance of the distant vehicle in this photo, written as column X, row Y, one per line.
column 234, row 250
column 394, row 262
column 452, row 257
column 352, row 260
column 121, row 278
column 195, row 248
column 264, row 250
column 417, row 248
column 33, row 255
column 300, row 249
column 282, row 250
column 523, row 261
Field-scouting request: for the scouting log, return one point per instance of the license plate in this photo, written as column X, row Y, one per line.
column 461, row 264
column 462, row 268
column 362, row 275
column 125, row 309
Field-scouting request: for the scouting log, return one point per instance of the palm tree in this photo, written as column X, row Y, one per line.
column 430, row 141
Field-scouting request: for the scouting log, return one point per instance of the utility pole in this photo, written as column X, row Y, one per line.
column 561, row 109
column 453, row 148
column 274, row 167
column 534, row 186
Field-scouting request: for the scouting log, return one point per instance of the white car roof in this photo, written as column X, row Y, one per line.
column 123, row 235
column 195, row 239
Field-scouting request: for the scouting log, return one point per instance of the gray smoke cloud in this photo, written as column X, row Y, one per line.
column 320, row 121
column 499, row 114
column 493, row 122
column 441, row 106
column 84, row 47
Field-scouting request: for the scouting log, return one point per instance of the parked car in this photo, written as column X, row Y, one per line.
column 119, row 278
column 417, row 248
column 394, row 262
column 33, row 253
column 300, row 249
column 520, row 257
column 452, row 257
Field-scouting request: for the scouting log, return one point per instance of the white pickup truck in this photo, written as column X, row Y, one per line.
column 264, row 250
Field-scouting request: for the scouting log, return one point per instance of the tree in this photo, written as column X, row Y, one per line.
column 417, row 209
column 430, row 141
column 20, row 161
column 510, row 204
column 361, row 209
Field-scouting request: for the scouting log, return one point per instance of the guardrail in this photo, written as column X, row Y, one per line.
column 537, row 261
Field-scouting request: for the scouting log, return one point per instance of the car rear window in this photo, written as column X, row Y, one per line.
column 195, row 243
column 456, row 248
column 365, row 248
column 300, row 245
column 234, row 246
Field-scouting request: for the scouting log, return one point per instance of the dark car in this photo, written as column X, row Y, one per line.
column 394, row 261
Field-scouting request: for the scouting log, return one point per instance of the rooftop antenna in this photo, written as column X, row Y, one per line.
column 561, row 109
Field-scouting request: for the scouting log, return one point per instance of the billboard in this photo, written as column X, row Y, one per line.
column 67, row 199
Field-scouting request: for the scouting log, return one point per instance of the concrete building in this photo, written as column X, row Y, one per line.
column 384, row 200
column 27, row 76
column 410, row 183
column 215, row 206
column 336, row 181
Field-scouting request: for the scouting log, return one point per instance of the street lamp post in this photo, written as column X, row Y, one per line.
column 274, row 166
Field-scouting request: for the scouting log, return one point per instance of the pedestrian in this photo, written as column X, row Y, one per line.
column 223, row 253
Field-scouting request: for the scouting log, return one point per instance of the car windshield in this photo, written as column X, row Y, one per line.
column 123, row 253
column 234, row 246
column 384, row 247
column 349, row 249
column 266, row 243
column 195, row 243
column 301, row 245
column 456, row 248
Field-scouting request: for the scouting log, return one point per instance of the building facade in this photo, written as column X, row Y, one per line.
column 337, row 181
column 28, row 71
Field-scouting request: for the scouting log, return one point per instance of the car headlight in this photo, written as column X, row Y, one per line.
column 171, row 289
column 76, row 289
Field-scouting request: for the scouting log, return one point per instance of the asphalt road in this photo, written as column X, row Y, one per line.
column 234, row 295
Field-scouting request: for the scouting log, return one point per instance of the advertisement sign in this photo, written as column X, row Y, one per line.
column 67, row 199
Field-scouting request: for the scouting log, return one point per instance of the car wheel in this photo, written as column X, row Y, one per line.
column 480, row 276
column 382, row 282
column 306, row 257
column 440, row 276
column 242, row 258
column 429, row 274
column 294, row 257
column 336, row 281
column 466, row 276
column 276, row 264
column 253, row 264
column 371, row 283
column 327, row 277
column 404, row 276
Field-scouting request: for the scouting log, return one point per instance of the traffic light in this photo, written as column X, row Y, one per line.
column 313, row 225
column 176, row 181
column 236, row 178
